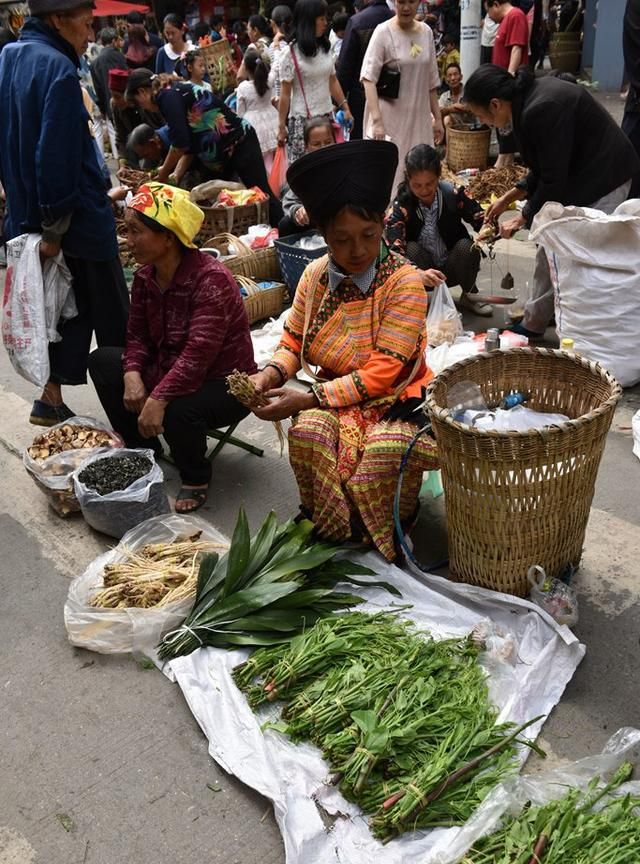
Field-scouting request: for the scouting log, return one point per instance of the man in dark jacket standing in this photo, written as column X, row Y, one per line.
column 631, row 49
column 109, row 58
column 54, row 185
column 354, row 45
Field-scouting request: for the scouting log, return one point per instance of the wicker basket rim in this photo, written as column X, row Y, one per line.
column 484, row 132
column 444, row 414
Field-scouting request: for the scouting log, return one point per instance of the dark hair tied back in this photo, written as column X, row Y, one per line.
column 493, row 82
column 258, row 70
column 422, row 157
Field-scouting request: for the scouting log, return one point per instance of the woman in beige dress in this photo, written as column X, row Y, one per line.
column 405, row 45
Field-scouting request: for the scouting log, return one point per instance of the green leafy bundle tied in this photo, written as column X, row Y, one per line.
column 266, row 589
column 404, row 720
column 570, row 830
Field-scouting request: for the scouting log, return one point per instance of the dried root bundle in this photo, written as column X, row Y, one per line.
column 156, row 575
column 240, row 385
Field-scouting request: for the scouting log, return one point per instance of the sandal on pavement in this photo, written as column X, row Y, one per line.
column 198, row 496
column 43, row 414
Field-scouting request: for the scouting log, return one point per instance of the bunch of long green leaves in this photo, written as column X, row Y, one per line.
column 266, row 589
column 404, row 720
column 569, row 830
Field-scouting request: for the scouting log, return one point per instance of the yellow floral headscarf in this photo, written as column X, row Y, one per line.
column 172, row 208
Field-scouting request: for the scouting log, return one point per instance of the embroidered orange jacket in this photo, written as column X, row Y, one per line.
column 365, row 345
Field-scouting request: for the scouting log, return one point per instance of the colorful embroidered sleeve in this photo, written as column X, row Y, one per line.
column 287, row 356
column 401, row 333
column 395, row 228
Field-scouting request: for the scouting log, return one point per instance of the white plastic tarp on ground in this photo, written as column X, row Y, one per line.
column 294, row 776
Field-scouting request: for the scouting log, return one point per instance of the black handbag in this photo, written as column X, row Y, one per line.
column 388, row 85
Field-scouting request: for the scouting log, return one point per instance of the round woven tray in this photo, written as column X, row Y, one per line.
column 515, row 499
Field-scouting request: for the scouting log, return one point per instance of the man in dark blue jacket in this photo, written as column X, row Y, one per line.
column 54, row 185
column 359, row 30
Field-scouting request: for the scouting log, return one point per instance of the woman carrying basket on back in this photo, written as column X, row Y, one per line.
column 308, row 79
column 358, row 317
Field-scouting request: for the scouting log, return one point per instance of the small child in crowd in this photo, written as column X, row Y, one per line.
column 196, row 70
column 253, row 102
column 318, row 133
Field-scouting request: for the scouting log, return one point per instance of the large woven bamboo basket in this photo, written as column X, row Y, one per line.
column 515, row 499
column 255, row 264
column 232, row 220
column 467, row 148
column 259, row 303
column 218, row 59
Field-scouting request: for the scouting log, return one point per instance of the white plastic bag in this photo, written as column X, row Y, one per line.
column 595, row 269
column 32, row 305
column 443, row 320
column 118, row 512
column 54, row 475
column 635, row 426
column 121, row 631
column 510, row 797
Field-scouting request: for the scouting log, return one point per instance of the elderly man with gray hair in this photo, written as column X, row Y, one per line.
column 54, row 186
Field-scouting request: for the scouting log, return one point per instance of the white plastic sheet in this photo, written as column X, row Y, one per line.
column 123, row 631
column 510, row 796
column 293, row 776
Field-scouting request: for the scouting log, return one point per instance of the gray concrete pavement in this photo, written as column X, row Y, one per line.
column 102, row 763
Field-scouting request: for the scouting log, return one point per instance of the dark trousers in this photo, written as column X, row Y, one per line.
column 631, row 127
column 186, row 418
column 463, row 263
column 248, row 163
column 102, row 299
column 357, row 105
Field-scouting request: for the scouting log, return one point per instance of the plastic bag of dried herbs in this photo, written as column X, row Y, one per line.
column 118, row 490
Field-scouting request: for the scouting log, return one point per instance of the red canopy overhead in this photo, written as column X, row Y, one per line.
column 106, row 8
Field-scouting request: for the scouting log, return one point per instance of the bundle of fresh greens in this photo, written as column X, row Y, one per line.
column 404, row 720
column 265, row 590
column 572, row 830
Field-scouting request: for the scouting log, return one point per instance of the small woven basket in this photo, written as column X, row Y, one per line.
column 259, row 303
column 293, row 259
column 467, row 148
column 218, row 59
column 255, row 264
column 515, row 499
column 232, row 220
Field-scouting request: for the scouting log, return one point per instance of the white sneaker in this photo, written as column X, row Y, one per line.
column 485, row 310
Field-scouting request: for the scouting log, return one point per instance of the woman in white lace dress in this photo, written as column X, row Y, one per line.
column 254, row 104
column 308, row 81
column 402, row 45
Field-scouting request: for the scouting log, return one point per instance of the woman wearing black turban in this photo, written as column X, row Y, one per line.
column 358, row 317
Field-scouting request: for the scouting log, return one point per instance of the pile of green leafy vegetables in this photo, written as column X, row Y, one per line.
column 404, row 720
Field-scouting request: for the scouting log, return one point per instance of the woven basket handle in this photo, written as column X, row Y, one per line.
column 252, row 288
column 239, row 245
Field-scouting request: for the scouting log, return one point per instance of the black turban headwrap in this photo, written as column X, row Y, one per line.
column 358, row 173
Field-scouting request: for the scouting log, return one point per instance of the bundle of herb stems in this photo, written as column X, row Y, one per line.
column 404, row 720
column 265, row 590
column 589, row 827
